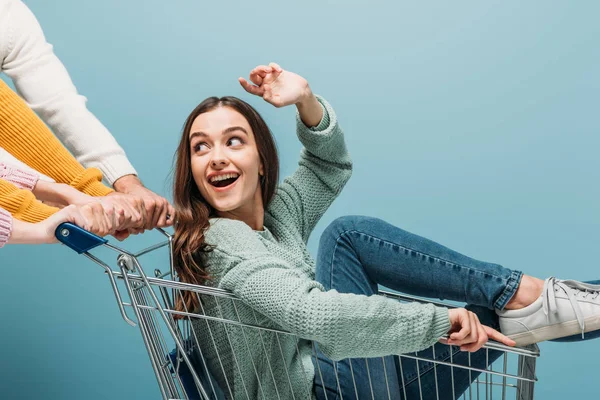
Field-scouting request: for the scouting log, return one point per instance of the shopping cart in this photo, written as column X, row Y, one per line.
column 187, row 350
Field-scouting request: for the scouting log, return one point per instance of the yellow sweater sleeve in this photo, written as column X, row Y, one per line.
column 22, row 204
column 26, row 137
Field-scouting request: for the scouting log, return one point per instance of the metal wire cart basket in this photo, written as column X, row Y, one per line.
column 186, row 349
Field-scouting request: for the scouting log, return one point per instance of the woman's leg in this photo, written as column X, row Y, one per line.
column 386, row 255
column 357, row 253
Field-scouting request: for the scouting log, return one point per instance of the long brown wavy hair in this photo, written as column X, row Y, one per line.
column 193, row 211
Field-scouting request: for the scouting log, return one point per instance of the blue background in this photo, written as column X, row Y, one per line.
column 472, row 123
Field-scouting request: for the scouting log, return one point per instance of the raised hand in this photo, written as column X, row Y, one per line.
column 283, row 88
column 276, row 86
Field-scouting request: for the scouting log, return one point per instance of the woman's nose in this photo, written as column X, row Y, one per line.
column 219, row 160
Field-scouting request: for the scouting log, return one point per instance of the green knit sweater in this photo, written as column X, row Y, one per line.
column 273, row 274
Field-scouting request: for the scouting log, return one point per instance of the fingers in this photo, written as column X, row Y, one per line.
column 89, row 221
column 276, row 70
column 136, row 208
column 468, row 332
column 257, row 77
column 68, row 214
column 142, row 215
column 170, row 215
column 498, row 337
column 156, row 215
column 157, row 208
column 481, row 339
column 158, row 212
column 267, row 93
column 252, row 89
column 72, row 215
column 134, row 213
column 151, row 214
column 121, row 235
column 259, row 73
column 276, row 67
column 131, row 213
column 118, row 214
column 474, row 334
column 269, row 97
column 106, row 219
column 463, row 322
column 97, row 219
column 164, row 213
column 122, row 217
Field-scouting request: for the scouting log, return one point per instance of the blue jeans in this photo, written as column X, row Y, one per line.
column 356, row 254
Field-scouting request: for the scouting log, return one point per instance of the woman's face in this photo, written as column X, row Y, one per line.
column 225, row 163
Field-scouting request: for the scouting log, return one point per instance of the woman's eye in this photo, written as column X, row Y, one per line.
column 235, row 141
column 200, row 147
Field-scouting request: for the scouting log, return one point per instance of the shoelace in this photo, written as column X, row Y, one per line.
column 571, row 288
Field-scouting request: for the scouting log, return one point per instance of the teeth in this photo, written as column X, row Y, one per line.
column 218, row 178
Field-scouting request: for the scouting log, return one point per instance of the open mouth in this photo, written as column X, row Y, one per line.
column 222, row 181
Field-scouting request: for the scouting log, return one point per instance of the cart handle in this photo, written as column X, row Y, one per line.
column 78, row 239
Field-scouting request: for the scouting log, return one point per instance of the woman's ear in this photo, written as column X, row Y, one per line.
column 261, row 170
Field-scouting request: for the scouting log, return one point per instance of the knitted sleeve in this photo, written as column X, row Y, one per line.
column 22, row 204
column 323, row 170
column 42, row 80
column 21, row 179
column 5, row 226
column 25, row 136
column 345, row 325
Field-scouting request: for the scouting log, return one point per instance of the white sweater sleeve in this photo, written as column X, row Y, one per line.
column 42, row 80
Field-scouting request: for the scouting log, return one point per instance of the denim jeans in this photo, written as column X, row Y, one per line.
column 356, row 254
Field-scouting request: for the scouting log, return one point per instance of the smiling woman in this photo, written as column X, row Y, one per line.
column 474, row 123
column 226, row 162
column 237, row 231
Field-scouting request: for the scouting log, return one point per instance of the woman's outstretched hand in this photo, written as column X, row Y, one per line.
column 276, row 86
column 283, row 88
column 467, row 332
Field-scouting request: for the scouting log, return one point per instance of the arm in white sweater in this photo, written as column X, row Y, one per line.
column 42, row 80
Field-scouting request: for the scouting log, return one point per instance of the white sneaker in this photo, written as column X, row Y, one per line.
column 565, row 308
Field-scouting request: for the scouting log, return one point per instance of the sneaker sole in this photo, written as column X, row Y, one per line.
column 555, row 331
